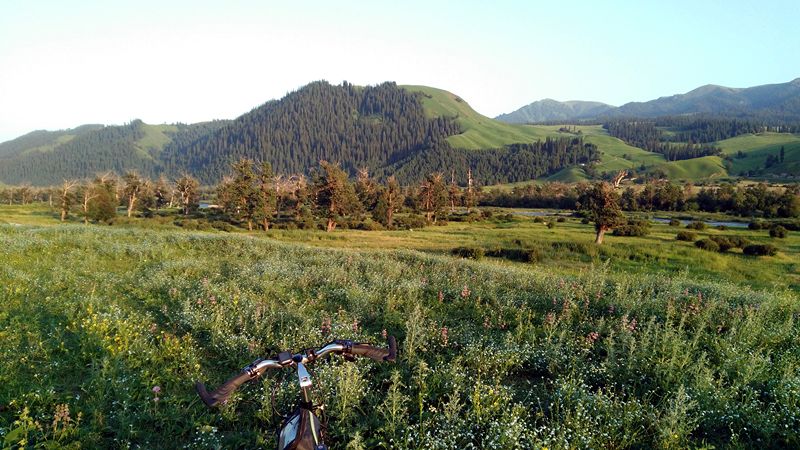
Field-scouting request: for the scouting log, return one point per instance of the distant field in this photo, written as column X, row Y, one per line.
column 155, row 139
column 757, row 147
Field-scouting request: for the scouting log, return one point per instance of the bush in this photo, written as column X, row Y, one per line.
column 723, row 242
column 707, row 244
column 760, row 250
column 674, row 223
column 722, row 227
column 409, row 222
column 468, row 252
column 688, row 236
column 738, row 241
column 561, row 219
column 633, row 228
column 221, row 226
column 778, row 231
column 697, row 225
column 538, row 219
column 758, row 225
column 551, row 224
column 585, row 221
column 516, row 254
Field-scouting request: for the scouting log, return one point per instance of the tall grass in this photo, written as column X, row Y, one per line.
column 493, row 356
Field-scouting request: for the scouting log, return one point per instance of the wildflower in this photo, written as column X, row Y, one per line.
column 486, row 323
column 384, row 334
column 444, row 336
column 550, row 319
column 441, row 296
column 156, row 390
column 592, row 337
column 355, row 325
column 325, row 328
column 153, row 328
column 465, row 292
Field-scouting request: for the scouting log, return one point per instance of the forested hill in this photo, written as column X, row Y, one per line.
column 368, row 127
column 44, row 158
column 387, row 129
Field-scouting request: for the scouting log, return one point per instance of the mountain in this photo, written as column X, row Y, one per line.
column 388, row 129
column 771, row 101
column 46, row 158
column 551, row 110
column 42, row 141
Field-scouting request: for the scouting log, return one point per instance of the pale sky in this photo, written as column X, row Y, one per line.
column 66, row 63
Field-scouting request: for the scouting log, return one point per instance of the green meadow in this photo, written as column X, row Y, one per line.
column 642, row 342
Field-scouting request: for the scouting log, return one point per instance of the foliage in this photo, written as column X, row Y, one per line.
column 708, row 244
column 697, row 225
column 778, row 231
column 760, row 250
column 493, row 356
column 686, row 236
column 469, row 252
column 633, row 227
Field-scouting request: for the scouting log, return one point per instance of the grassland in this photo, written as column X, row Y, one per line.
column 562, row 353
column 756, row 148
column 479, row 132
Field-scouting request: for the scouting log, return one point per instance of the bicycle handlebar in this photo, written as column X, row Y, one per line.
column 259, row 366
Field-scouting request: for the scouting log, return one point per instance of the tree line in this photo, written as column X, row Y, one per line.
column 759, row 200
column 647, row 135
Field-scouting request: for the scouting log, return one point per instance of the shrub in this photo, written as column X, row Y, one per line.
column 538, row 219
column 722, row 227
column 585, row 220
column 697, row 225
column 777, row 231
column 516, row 254
column 758, row 225
column 633, row 228
column 674, row 223
column 723, row 242
column 707, row 244
column 561, row 219
column 688, row 236
column 410, row 222
column 468, row 252
column 738, row 241
column 551, row 224
column 760, row 250
column 222, row 226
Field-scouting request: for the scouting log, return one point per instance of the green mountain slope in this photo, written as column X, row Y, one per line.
column 757, row 148
column 478, row 131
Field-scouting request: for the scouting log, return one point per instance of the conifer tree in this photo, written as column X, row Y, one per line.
column 267, row 196
column 335, row 196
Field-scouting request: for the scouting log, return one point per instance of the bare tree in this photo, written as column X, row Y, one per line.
column 187, row 187
column 132, row 188
column 66, row 197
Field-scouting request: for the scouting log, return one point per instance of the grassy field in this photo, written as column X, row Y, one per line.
column 155, row 139
column 757, row 147
column 480, row 132
column 573, row 351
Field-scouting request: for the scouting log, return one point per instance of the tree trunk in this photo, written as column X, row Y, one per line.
column 131, row 204
column 63, row 214
column 331, row 225
column 266, row 224
column 249, row 225
column 600, row 232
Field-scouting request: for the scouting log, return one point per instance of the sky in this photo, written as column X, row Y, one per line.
column 66, row 63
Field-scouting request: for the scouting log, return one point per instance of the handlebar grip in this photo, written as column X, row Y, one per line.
column 376, row 353
column 221, row 394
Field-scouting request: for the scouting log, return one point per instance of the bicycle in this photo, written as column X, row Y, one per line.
column 302, row 429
